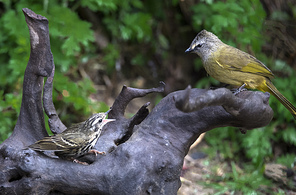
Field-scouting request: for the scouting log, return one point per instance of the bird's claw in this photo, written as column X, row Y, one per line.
column 80, row 162
column 240, row 89
column 96, row 152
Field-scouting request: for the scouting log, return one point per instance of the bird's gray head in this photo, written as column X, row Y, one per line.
column 97, row 121
column 204, row 44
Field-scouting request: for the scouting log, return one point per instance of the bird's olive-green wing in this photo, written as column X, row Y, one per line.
column 47, row 143
column 75, row 139
column 60, row 142
column 234, row 59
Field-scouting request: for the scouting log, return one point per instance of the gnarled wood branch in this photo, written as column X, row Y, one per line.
column 144, row 154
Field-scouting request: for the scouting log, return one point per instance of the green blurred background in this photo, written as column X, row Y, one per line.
column 100, row 45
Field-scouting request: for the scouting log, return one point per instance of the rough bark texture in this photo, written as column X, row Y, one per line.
column 144, row 154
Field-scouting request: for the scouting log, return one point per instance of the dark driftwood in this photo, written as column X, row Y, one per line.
column 144, row 154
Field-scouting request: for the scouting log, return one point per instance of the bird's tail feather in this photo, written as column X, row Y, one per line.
column 273, row 90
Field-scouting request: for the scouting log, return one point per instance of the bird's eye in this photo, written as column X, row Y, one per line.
column 198, row 45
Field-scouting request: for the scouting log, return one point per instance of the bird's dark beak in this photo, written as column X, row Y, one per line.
column 188, row 50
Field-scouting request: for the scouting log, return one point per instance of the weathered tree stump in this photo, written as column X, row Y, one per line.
column 144, row 154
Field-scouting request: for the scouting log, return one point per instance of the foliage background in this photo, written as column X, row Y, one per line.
column 100, row 45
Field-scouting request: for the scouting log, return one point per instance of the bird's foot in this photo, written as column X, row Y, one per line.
column 240, row 89
column 80, row 162
column 96, row 152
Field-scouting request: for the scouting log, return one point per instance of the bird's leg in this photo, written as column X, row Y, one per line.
column 96, row 152
column 91, row 151
column 80, row 162
column 241, row 88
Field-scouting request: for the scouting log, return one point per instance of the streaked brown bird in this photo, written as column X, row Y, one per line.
column 75, row 141
column 232, row 66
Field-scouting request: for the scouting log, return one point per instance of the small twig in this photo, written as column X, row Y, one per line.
column 127, row 94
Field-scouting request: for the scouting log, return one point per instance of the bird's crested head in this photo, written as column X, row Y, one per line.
column 204, row 44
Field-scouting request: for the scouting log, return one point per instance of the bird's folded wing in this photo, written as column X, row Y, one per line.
column 233, row 59
column 59, row 142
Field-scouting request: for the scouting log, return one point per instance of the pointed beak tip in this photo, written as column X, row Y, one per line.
column 108, row 111
column 188, row 50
